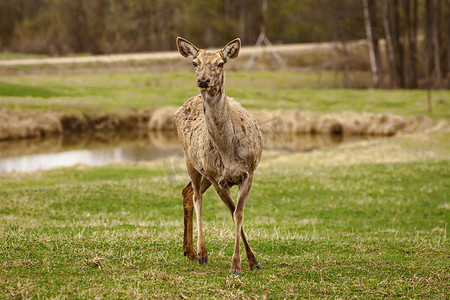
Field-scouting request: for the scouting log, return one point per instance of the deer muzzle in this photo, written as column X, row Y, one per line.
column 203, row 83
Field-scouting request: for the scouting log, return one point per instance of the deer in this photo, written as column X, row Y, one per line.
column 222, row 145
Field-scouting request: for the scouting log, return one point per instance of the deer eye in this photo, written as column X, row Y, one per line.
column 194, row 64
column 220, row 65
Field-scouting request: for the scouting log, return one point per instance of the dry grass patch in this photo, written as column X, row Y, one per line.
column 26, row 124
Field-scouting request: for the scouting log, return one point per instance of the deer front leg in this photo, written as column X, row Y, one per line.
column 238, row 217
column 188, row 210
column 202, row 254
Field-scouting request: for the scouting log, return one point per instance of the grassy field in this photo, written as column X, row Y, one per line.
column 123, row 90
column 367, row 219
column 8, row 56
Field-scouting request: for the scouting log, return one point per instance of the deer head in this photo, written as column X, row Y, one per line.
column 209, row 65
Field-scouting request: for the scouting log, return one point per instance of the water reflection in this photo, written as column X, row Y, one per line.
column 90, row 149
column 98, row 149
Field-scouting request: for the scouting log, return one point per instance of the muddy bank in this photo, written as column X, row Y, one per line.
column 32, row 124
column 18, row 125
column 342, row 123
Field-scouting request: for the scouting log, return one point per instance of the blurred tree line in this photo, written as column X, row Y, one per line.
column 416, row 38
column 111, row 26
column 408, row 40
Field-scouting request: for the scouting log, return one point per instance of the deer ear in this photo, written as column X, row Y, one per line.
column 231, row 50
column 186, row 48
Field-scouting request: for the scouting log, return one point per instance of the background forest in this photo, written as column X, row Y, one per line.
column 111, row 26
column 408, row 38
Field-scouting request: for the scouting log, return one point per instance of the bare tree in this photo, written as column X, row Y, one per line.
column 370, row 44
column 396, row 43
column 373, row 15
column 389, row 47
column 428, row 49
column 407, row 66
column 413, row 46
column 447, row 17
column 435, row 11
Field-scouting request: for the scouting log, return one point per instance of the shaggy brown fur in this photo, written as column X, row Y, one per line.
column 222, row 145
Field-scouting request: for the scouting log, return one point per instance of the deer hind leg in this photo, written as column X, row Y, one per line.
column 192, row 198
column 249, row 255
column 225, row 195
column 244, row 191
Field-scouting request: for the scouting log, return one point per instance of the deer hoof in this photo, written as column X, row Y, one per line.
column 258, row 267
column 235, row 272
column 203, row 260
column 190, row 254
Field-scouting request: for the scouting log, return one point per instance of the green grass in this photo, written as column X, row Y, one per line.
column 8, row 56
column 114, row 91
column 367, row 220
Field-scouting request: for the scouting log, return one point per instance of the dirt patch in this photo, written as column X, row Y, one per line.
column 17, row 125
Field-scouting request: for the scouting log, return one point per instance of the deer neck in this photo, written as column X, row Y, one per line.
column 217, row 117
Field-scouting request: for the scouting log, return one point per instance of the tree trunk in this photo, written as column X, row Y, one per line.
column 407, row 66
column 397, row 46
column 376, row 37
column 436, row 45
column 370, row 44
column 428, row 49
column 447, row 17
column 389, row 47
column 347, row 79
column 413, row 46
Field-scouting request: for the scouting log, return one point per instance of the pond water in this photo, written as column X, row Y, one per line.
column 97, row 149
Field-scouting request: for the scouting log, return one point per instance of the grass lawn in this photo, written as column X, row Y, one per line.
column 116, row 91
column 367, row 219
column 8, row 56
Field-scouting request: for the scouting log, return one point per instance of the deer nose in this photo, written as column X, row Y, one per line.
column 203, row 83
